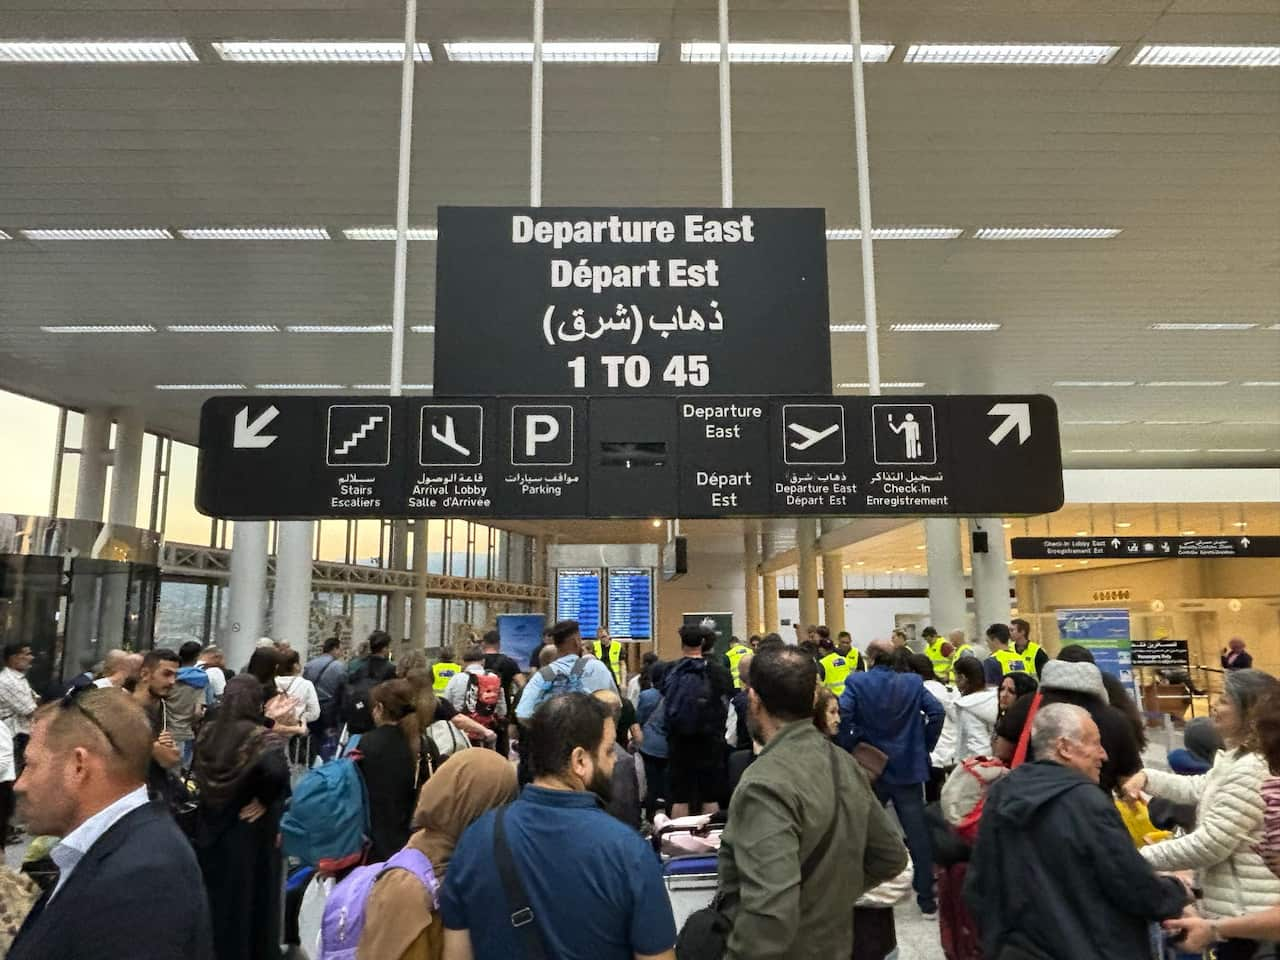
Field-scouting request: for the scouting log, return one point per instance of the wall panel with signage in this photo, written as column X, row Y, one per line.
column 630, row 603
column 578, row 598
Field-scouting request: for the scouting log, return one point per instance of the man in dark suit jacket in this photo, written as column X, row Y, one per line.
column 129, row 885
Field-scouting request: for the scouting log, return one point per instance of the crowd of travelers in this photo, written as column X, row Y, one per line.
column 469, row 808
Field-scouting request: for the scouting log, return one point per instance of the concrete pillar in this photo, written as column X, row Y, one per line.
column 418, row 600
column 751, row 571
column 398, row 559
column 947, row 605
column 91, row 482
column 833, row 592
column 291, row 618
column 990, row 575
column 126, row 467
column 247, row 591
column 769, row 594
column 807, row 575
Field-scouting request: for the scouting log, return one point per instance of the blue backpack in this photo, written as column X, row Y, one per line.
column 691, row 708
column 327, row 823
column 557, row 684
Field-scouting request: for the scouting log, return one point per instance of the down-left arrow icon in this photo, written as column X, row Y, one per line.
column 248, row 436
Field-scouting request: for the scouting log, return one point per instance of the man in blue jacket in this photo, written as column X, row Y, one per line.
column 894, row 713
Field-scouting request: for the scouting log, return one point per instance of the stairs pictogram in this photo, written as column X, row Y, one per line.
column 345, row 447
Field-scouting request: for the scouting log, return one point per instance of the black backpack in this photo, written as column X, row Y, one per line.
column 692, row 708
column 357, row 702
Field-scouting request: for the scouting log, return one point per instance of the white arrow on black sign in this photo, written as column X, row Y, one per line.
column 248, row 436
column 1115, row 543
column 1015, row 415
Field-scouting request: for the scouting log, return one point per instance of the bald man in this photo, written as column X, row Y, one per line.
column 128, row 883
column 120, row 668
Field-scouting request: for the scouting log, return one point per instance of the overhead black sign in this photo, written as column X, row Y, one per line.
column 630, row 302
column 537, row 457
column 1160, row 653
column 1144, row 548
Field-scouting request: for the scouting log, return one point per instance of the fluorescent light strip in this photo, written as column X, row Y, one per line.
column 1251, row 423
column 896, row 233
column 1176, row 423
column 1261, row 383
column 1169, row 450
column 848, row 328
column 300, row 386
column 223, row 328
column 96, row 51
column 1238, row 450
column 255, row 233
column 200, row 386
column 1018, row 54
column 1202, row 326
column 318, row 51
column 423, row 328
column 1102, row 450
column 1093, row 383
column 101, row 328
column 1045, row 233
column 885, row 385
column 944, row 327
column 1095, row 423
column 339, row 328
column 96, row 233
column 1274, row 326
column 1186, row 383
column 389, row 233
column 387, row 386
column 709, row 52
column 558, row 51
column 1187, row 55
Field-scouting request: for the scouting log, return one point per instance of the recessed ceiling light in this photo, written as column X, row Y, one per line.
column 1176, row 423
column 101, row 328
column 1169, row 450
column 1079, row 533
column 300, row 386
column 885, row 385
column 919, row 546
column 255, row 233
column 1187, row 55
column 1046, row 233
column 200, row 386
column 1007, row 525
column 1040, row 54
column 862, row 563
column 848, row 328
column 1123, row 524
column 944, row 327
column 96, row 51
column 1188, row 533
column 223, row 328
column 423, row 328
column 389, row 233
column 317, row 51
column 1241, row 524
column 705, row 52
column 1261, row 383
column 896, row 233
column 557, row 51
column 339, row 328
column 1238, row 450
column 1084, row 563
column 1094, row 423
column 1093, row 383
column 96, row 233
column 1102, row 450
column 1186, row 383
column 1202, row 326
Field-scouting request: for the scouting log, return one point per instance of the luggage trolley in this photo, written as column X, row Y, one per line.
column 690, row 878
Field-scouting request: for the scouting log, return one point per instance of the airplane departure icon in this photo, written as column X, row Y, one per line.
column 811, row 437
column 448, row 437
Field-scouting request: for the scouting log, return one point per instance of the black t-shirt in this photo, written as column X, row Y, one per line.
column 506, row 669
column 388, row 768
column 625, row 723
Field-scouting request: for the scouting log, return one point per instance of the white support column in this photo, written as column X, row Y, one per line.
column 397, row 559
column 807, row 575
column 833, row 592
column 947, row 606
column 91, row 482
column 990, row 575
column 247, row 591
column 418, row 599
column 751, row 572
column 292, row 614
column 126, row 465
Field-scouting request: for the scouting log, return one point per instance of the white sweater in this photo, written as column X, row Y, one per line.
column 1229, row 815
column 976, row 715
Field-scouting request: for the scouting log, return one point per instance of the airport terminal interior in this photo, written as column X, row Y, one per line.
column 432, row 318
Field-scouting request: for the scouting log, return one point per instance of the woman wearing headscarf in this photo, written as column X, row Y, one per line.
column 243, row 777
column 400, row 917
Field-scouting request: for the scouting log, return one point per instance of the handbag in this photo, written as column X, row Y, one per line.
column 705, row 935
column 872, row 759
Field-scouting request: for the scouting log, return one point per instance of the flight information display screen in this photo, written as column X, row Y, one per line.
column 631, row 603
column 578, row 598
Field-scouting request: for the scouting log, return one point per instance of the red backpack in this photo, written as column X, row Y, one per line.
column 484, row 693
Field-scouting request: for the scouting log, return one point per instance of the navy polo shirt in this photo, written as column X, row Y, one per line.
column 595, row 886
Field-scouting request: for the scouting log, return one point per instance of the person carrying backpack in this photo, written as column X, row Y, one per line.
column 570, row 672
column 328, row 674
column 357, row 705
column 477, row 694
column 696, row 691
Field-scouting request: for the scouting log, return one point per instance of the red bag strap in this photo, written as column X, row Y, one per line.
column 1024, row 741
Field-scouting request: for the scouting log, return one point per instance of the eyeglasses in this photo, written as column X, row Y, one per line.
column 72, row 699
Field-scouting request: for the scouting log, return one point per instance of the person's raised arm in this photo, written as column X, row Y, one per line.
column 457, row 945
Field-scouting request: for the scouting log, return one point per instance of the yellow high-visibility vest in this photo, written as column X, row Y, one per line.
column 836, row 669
column 1029, row 655
column 735, row 655
column 615, row 659
column 941, row 662
column 442, row 673
column 1011, row 662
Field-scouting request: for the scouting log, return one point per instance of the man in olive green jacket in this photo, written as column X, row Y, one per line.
column 779, row 815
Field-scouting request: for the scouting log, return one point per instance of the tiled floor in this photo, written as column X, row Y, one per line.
column 917, row 937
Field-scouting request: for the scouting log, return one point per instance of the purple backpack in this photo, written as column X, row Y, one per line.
column 344, row 910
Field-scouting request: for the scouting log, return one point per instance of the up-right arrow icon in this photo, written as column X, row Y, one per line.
column 1015, row 415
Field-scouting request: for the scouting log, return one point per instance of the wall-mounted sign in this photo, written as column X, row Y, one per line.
column 1160, row 653
column 1144, row 548
column 631, row 302
column 578, row 598
column 630, row 594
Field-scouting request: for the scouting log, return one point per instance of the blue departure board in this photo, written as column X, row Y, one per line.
column 631, row 603
column 578, row 598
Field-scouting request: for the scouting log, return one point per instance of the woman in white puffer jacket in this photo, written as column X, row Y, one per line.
column 1229, row 813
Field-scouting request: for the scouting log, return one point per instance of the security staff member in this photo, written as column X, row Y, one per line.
column 835, row 671
column 960, row 647
column 844, row 647
column 735, row 653
column 1003, row 660
column 1032, row 653
column 611, row 653
column 939, row 652
column 442, row 673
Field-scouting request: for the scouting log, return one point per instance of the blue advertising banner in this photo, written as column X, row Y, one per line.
column 1104, row 632
column 521, row 635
